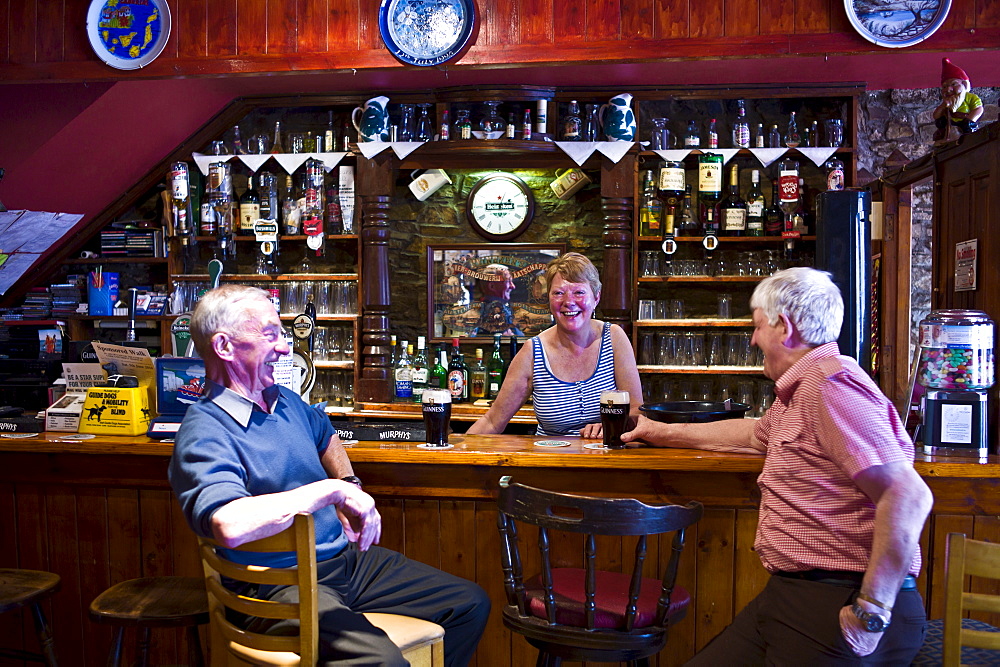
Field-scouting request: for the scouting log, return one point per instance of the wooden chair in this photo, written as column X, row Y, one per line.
column 421, row 642
column 22, row 588
column 956, row 640
column 153, row 602
column 589, row 614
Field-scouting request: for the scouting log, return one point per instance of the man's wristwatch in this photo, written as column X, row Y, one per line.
column 356, row 481
column 873, row 622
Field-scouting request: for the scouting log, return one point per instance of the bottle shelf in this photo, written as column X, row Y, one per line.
column 283, row 237
column 347, row 365
column 322, row 318
column 841, row 150
column 280, row 278
column 701, row 279
column 651, row 369
column 704, row 322
column 725, row 239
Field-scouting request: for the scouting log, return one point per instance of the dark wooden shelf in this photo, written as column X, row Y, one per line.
column 725, row 239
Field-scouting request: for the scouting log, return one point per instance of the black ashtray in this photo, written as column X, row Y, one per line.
column 685, row 412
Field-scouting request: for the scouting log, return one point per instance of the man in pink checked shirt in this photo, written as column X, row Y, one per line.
column 841, row 506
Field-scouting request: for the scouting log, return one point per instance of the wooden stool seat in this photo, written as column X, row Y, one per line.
column 153, row 602
column 21, row 588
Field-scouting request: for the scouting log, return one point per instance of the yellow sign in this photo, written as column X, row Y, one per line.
column 115, row 411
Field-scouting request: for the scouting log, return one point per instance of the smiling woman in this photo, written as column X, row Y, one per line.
column 565, row 368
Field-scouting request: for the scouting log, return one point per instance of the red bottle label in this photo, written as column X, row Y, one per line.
column 788, row 184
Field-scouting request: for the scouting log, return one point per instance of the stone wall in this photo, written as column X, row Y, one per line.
column 901, row 120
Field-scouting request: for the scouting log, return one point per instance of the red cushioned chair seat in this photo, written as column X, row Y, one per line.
column 610, row 598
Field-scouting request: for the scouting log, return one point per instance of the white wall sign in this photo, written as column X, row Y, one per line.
column 965, row 265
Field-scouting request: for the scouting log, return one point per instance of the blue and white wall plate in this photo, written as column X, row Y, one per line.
column 895, row 24
column 426, row 32
column 128, row 34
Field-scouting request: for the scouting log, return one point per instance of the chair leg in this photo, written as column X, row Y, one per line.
column 195, row 656
column 144, row 648
column 44, row 635
column 115, row 657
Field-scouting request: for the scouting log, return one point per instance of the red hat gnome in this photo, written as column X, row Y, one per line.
column 959, row 108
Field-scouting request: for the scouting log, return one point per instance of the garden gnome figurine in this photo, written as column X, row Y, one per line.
column 959, row 107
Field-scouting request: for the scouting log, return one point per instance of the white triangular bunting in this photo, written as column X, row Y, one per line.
column 372, row 148
column 767, row 155
column 290, row 161
column 578, row 151
column 674, row 155
column 254, row 161
column 404, row 148
column 818, row 155
column 726, row 153
column 204, row 160
column 614, row 150
column 329, row 160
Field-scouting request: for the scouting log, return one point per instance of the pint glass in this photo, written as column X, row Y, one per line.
column 437, row 414
column 614, row 417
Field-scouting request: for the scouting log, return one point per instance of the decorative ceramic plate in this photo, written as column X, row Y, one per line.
column 896, row 24
column 426, row 32
column 128, row 35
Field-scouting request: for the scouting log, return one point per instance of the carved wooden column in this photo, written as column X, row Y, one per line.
column 618, row 204
column 375, row 184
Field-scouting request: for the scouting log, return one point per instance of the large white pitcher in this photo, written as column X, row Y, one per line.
column 374, row 124
column 617, row 118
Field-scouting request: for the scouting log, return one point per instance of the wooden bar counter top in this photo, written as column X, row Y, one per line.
column 99, row 511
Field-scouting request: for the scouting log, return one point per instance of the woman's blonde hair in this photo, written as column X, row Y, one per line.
column 574, row 268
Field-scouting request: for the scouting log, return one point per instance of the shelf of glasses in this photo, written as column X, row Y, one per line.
column 323, row 318
column 701, row 279
column 282, row 237
column 704, row 322
column 346, row 365
column 693, row 370
column 725, row 239
column 285, row 277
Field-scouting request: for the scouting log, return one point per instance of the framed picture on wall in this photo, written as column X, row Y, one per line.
column 896, row 24
column 478, row 290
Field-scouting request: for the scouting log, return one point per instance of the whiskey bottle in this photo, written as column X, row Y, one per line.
column 709, row 190
column 249, row 208
column 650, row 211
column 733, row 210
column 478, row 377
column 671, row 190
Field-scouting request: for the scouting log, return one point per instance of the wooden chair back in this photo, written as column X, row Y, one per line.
column 966, row 557
column 590, row 516
column 299, row 538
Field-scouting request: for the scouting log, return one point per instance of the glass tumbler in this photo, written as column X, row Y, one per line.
column 660, row 139
column 649, row 264
column 724, row 306
column 834, row 131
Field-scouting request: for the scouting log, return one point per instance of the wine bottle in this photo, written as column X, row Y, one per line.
column 511, row 129
column 478, row 377
column 733, row 210
column 774, row 218
column 494, row 369
column 291, row 215
column 755, row 206
column 249, row 208
column 330, row 136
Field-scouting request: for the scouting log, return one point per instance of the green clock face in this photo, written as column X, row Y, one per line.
column 500, row 207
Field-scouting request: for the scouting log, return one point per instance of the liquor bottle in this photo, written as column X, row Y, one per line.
column 788, row 185
column 438, row 378
column 463, row 125
column 709, row 190
column 345, row 134
column 755, row 206
column 526, row 126
column 713, row 135
column 671, row 191
column 774, row 217
column 334, row 214
column 511, row 128
column 277, row 144
column 760, row 140
column 774, row 137
column 291, row 215
column 494, row 369
column 478, row 377
column 458, row 375
column 238, row 147
column 572, row 123
column 268, row 191
column 309, row 143
column 733, row 210
column 421, row 372
column 834, row 174
column 691, row 138
column 650, row 210
column 591, row 123
column 741, row 128
column 310, row 312
column 792, row 138
column 394, row 358
column 403, row 374
column 814, row 134
column 180, row 196
column 330, row 136
column 312, row 211
column 445, row 132
column 801, row 222
column 686, row 221
column 249, row 208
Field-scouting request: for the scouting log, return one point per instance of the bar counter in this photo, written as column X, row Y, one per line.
column 100, row 511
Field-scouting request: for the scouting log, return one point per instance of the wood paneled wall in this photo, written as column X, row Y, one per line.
column 46, row 40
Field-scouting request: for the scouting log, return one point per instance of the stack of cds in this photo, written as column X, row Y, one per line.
column 66, row 297
column 37, row 304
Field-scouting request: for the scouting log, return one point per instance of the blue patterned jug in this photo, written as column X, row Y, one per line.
column 617, row 118
column 374, row 125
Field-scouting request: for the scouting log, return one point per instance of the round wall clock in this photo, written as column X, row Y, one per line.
column 896, row 25
column 426, row 32
column 128, row 35
column 500, row 207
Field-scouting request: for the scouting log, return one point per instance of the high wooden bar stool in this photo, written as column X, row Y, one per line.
column 153, row 602
column 20, row 588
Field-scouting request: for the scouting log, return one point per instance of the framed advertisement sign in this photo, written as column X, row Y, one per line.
column 478, row 290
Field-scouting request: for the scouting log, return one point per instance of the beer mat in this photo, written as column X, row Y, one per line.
column 551, row 443
column 77, row 436
column 597, row 445
column 18, row 435
column 427, row 445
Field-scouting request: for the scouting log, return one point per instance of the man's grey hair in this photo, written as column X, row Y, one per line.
column 222, row 309
column 807, row 297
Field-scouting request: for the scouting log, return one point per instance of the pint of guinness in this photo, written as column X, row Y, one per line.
column 614, row 417
column 437, row 414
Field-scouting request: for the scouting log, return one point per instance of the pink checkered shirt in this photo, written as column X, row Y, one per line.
column 828, row 423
